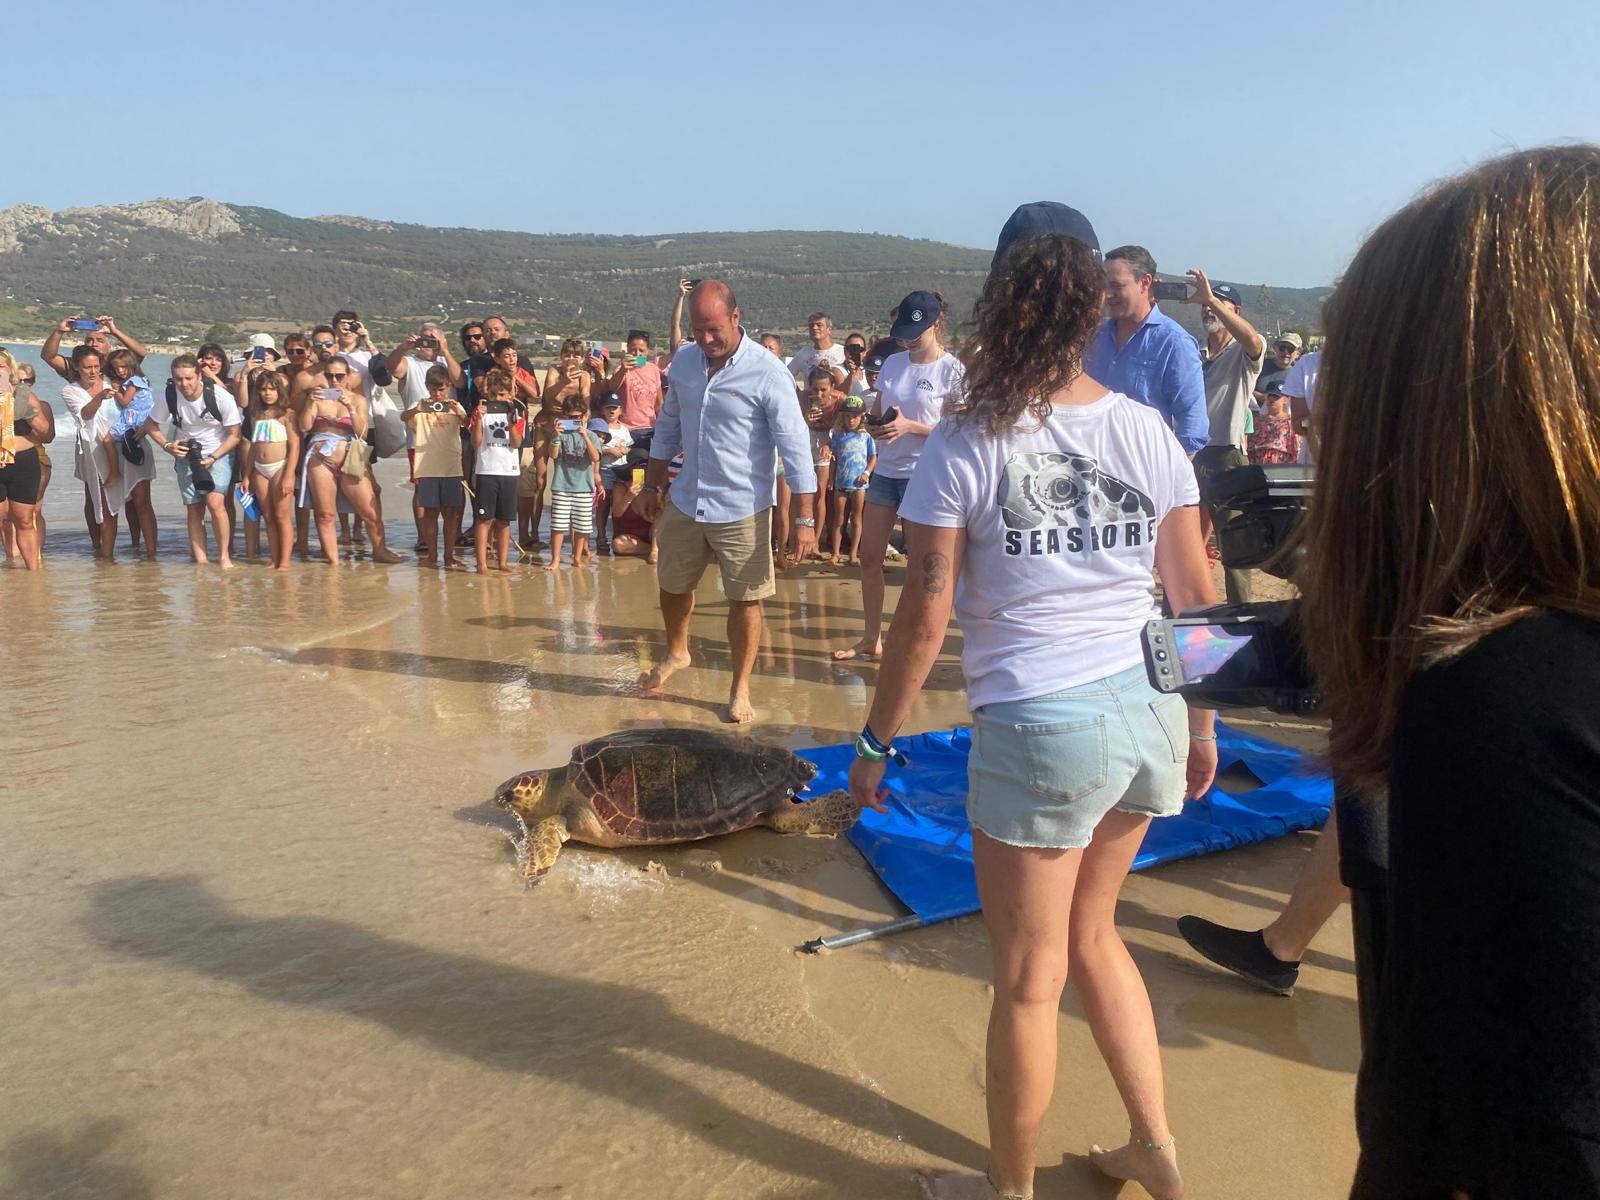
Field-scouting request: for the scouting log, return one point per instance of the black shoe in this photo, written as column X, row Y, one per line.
column 1242, row 953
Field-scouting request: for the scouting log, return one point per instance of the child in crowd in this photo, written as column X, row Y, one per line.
column 855, row 454
column 562, row 382
column 614, row 448
column 633, row 536
column 498, row 427
column 822, row 411
column 1274, row 442
column 134, row 402
column 575, row 456
column 437, row 421
column 269, row 458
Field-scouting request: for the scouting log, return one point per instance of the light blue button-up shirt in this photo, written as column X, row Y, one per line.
column 1159, row 366
column 732, row 428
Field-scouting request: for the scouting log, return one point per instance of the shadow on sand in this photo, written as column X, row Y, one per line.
column 595, row 1036
column 71, row 1165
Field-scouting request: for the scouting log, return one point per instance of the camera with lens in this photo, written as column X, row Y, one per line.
column 1243, row 655
column 199, row 473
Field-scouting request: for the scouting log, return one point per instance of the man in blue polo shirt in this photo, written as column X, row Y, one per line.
column 1141, row 352
column 731, row 409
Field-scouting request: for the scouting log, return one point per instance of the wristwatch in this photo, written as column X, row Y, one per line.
column 804, row 522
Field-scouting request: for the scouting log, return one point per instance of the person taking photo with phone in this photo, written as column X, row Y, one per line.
column 638, row 382
column 912, row 390
column 408, row 365
column 1073, row 752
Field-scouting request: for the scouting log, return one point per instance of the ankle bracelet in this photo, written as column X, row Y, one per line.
column 988, row 1175
column 1143, row 1144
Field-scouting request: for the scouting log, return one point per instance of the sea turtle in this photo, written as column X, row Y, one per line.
column 646, row 787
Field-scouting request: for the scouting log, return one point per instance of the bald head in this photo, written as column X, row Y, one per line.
column 714, row 319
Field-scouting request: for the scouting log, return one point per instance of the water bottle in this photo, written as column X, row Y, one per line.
column 247, row 503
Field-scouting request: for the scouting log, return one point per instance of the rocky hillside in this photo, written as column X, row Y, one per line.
column 168, row 267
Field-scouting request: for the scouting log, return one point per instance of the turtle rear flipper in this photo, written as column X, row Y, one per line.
column 545, row 839
column 825, row 816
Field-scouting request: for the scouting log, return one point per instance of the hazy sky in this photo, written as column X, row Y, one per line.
column 1257, row 145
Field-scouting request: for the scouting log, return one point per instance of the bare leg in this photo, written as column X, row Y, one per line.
column 744, row 640
column 1117, row 1007
column 824, row 474
column 282, row 525
column 556, row 537
column 196, row 517
column 502, row 543
column 580, row 548
column 21, row 523
column 480, row 544
column 142, row 513
column 360, row 495
column 8, row 530
column 876, row 524
column 89, row 518
column 449, row 533
column 302, row 530
column 38, row 509
column 427, row 536
column 217, row 505
column 836, row 529
column 1317, row 895
column 676, row 609
column 325, row 499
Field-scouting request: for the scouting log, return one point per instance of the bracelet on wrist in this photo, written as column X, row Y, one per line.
column 864, row 749
column 1202, row 737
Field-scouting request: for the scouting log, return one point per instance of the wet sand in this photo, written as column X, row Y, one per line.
column 262, row 935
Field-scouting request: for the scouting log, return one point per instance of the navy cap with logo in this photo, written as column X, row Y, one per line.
column 611, row 400
column 1042, row 217
column 879, row 354
column 1273, row 387
column 918, row 313
column 1223, row 292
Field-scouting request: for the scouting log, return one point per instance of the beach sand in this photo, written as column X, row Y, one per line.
column 263, row 936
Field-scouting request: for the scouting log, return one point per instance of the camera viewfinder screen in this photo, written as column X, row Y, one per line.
column 1206, row 651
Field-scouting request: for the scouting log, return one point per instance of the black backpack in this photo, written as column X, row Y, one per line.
column 208, row 398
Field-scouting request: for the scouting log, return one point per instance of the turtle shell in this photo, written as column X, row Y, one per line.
column 675, row 785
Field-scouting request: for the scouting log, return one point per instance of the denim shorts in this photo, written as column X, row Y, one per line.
column 886, row 492
column 1043, row 772
column 221, row 478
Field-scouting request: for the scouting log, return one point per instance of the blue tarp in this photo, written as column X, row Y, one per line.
column 922, row 847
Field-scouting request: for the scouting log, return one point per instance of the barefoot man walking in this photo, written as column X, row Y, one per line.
column 731, row 409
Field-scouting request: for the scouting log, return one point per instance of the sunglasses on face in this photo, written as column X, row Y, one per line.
column 332, row 378
column 322, row 342
column 474, row 337
column 296, row 350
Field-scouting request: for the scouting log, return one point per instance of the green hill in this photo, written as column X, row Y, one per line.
column 176, row 267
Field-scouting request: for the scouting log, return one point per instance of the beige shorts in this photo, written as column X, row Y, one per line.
column 528, row 473
column 742, row 549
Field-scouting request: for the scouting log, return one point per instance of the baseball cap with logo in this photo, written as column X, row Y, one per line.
column 1289, row 339
column 919, row 312
column 854, row 404
column 1223, row 292
column 611, row 400
column 879, row 354
column 1042, row 217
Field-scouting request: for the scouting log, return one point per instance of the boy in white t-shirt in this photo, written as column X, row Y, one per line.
column 497, row 431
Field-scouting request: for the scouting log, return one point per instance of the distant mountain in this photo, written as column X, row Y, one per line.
column 177, row 267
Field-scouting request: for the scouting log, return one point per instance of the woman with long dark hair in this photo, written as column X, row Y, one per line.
column 1452, row 617
column 1038, row 509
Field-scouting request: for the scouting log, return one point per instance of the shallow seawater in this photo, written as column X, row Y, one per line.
column 262, row 934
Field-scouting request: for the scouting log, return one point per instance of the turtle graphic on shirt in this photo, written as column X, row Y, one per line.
column 1045, row 489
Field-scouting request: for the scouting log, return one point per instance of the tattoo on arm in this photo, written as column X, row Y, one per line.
column 935, row 573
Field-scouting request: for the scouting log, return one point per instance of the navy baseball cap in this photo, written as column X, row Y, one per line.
column 1223, row 292
column 919, row 312
column 1042, row 217
column 1272, row 388
column 879, row 354
column 611, row 400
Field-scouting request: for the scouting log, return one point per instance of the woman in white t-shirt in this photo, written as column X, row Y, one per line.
column 1040, row 509
column 914, row 384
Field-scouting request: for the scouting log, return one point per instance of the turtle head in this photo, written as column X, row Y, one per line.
column 521, row 794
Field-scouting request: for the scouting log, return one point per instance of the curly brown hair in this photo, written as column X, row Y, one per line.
column 1033, row 324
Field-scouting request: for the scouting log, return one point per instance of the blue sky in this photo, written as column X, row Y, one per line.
column 1259, row 144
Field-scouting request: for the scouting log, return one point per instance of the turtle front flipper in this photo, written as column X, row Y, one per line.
column 545, row 839
column 825, row 816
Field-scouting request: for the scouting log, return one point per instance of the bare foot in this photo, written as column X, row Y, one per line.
column 1156, row 1171
column 855, row 560
column 656, row 678
column 553, row 565
column 862, row 649
column 285, row 567
column 451, row 564
column 384, row 555
column 652, row 559
column 428, row 560
column 834, row 559
column 739, row 711
column 958, row 1185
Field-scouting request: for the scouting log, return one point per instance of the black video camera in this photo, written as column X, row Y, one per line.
column 1243, row 655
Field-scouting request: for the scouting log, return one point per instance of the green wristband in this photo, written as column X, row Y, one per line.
column 863, row 750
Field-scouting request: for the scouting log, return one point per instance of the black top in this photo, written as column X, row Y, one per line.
column 1483, row 1070
column 473, row 371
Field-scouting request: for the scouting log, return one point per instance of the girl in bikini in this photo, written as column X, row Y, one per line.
column 268, row 457
column 334, row 416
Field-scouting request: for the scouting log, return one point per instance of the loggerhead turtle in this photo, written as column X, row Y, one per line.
column 646, row 787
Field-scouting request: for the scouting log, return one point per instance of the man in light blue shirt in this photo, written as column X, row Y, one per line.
column 731, row 409
column 1141, row 352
